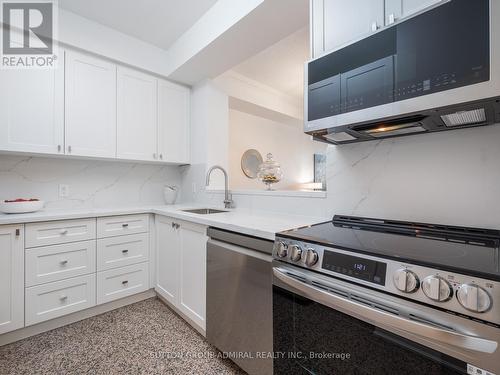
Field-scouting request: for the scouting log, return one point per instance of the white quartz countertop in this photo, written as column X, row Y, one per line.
column 263, row 224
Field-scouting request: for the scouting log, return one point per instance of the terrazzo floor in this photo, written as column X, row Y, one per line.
column 143, row 338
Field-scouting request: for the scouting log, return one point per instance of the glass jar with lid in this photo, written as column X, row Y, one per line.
column 270, row 172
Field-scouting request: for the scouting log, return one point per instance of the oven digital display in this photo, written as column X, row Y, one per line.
column 360, row 268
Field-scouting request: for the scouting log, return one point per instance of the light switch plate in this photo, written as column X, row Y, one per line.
column 63, row 191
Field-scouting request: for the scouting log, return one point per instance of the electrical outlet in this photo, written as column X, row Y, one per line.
column 63, row 191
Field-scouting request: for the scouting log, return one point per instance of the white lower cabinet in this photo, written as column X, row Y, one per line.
column 49, row 301
column 193, row 257
column 11, row 278
column 122, row 282
column 167, row 259
column 51, row 269
column 122, row 251
column 181, row 266
column 58, row 262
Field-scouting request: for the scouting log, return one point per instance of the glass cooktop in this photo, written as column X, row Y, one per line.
column 466, row 250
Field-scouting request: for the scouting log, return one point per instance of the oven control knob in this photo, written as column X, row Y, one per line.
column 282, row 249
column 474, row 298
column 311, row 257
column 295, row 253
column 437, row 288
column 406, row 281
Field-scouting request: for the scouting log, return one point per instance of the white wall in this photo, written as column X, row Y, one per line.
column 92, row 184
column 450, row 177
column 247, row 90
column 209, row 129
column 290, row 147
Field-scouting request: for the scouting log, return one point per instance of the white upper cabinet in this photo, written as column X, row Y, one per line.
column 335, row 23
column 173, row 122
column 137, row 116
column 11, row 278
column 345, row 21
column 395, row 10
column 32, row 110
column 90, row 106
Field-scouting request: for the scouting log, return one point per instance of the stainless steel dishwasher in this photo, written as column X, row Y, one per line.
column 239, row 299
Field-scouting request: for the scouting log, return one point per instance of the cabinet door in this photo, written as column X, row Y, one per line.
column 398, row 9
column 137, row 116
column 173, row 122
column 168, row 249
column 32, row 110
column 90, row 106
column 11, row 278
column 345, row 21
column 193, row 279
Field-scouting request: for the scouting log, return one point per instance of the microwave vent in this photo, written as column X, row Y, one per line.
column 462, row 118
column 339, row 137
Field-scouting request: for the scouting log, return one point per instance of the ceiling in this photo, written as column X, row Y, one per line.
column 280, row 66
column 158, row 22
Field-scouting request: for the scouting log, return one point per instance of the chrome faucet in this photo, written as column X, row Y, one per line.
column 228, row 202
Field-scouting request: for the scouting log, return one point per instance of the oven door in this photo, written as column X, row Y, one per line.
column 326, row 326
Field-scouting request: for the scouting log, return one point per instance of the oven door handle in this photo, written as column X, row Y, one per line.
column 379, row 317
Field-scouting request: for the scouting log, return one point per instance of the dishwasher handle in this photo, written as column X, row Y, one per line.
column 240, row 250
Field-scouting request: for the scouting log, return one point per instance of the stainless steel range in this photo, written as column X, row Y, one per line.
column 368, row 296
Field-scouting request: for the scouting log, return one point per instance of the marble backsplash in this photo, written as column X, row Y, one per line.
column 92, row 184
column 448, row 177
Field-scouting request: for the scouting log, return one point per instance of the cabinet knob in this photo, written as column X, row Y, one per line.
column 125, row 225
column 125, row 282
column 64, row 232
column 63, row 298
column 391, row 19
column 69, row 149
column 63, row 262
column 18, row 232
column 161, row 156
column 59, row 148
column 125, row 251
column 375, row 26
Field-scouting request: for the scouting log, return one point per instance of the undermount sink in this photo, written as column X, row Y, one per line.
column 204, row 211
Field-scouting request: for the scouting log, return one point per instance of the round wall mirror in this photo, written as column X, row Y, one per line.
column 250, row 162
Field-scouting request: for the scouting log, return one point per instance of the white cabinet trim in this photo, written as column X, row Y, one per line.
column 12, row 299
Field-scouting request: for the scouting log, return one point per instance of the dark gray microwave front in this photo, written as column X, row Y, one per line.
column 444, row 48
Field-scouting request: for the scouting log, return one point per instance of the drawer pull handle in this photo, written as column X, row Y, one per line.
column 64, row 232
column 125, row 282
column 63, row 262
column 63, row 298
column 125, row 225
column 125, row 251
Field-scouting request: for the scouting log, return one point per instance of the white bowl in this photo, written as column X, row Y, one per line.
column 21, row 207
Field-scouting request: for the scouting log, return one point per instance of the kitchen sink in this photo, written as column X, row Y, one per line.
column 204, row 211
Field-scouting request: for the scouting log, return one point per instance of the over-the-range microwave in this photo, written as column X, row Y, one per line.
column 438, row 70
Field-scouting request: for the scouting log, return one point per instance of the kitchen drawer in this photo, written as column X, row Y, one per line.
column 56, row 232
column 49, row 301
column 122, row 251
column 58, row 262
column 120, row 225
column 122, row 282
